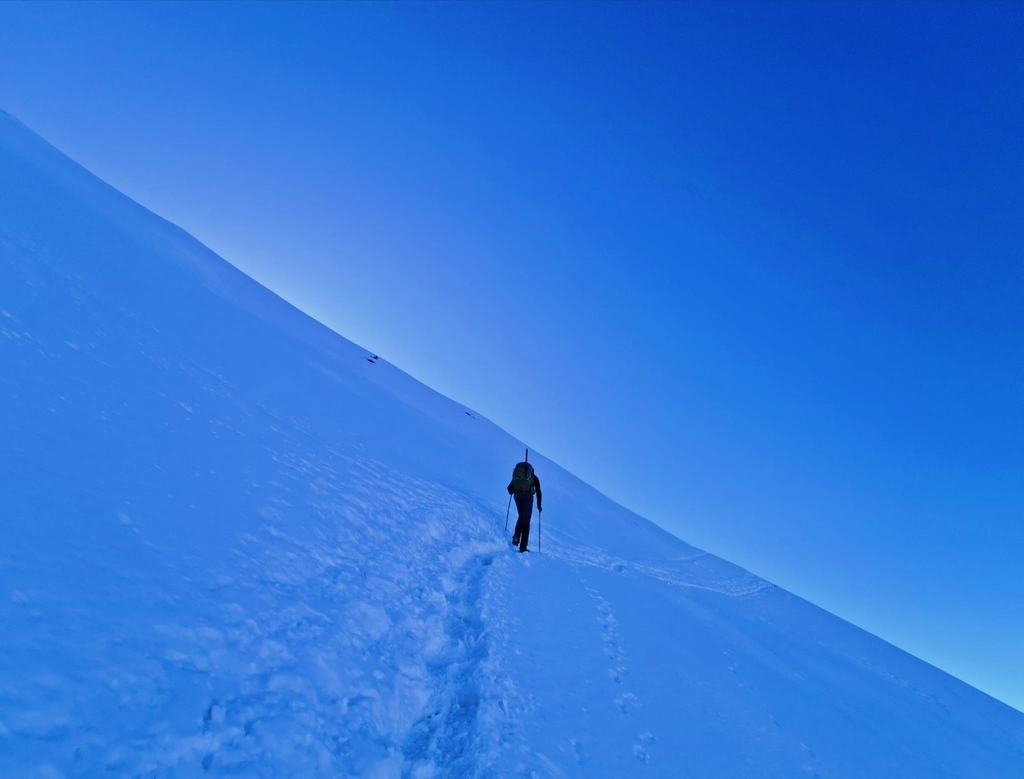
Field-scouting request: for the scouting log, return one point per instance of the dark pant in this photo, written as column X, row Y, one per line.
column 524, row 505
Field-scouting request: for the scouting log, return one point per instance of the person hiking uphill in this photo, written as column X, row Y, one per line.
column 523, row 486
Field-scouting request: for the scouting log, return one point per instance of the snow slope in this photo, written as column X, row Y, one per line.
column 232, row 544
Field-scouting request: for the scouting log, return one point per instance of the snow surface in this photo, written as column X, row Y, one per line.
column 234, row 544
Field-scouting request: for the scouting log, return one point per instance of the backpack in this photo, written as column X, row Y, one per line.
column 522, row 478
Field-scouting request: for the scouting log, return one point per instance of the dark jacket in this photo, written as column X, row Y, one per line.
column 534, row 489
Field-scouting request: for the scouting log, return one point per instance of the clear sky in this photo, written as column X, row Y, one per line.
column 754, row 270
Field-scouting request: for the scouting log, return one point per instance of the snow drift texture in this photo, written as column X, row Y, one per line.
column 234, row 545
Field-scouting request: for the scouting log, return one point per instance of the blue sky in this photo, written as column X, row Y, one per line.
column 754, row 270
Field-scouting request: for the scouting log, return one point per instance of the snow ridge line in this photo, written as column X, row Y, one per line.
column 745, row 585
column 445, row 738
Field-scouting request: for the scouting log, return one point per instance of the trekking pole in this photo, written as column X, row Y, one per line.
column 539, row 526
column 506, row 512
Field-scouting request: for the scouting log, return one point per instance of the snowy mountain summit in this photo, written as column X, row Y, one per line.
column 234, row 543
